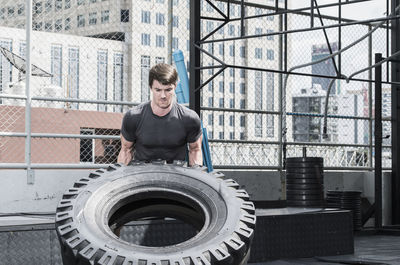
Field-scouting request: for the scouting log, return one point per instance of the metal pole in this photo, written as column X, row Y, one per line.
column 378, row 142
column 194, row 95
column 370, row 131
column 30, row 173
column 395, row 120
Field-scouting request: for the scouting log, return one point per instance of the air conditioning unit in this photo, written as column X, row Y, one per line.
column 15, row 89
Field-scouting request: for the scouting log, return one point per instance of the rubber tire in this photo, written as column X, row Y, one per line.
column 220, row 209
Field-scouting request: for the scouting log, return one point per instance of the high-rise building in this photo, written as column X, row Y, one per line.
column 325, row 68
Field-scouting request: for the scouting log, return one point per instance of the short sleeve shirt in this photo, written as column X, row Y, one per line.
column 164, row 137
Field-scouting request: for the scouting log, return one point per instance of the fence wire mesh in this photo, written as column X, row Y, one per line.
column 90, row 56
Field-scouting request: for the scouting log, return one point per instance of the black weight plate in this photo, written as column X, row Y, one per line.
column 303, row 175
column 304, row 192
column 304, row 159
column 304, row 181
column 304, row 165
column 312, row 197
column 310, row 186
column 305, row 170
column 305, row 203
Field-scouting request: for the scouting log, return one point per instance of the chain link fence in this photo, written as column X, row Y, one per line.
column 92, row 57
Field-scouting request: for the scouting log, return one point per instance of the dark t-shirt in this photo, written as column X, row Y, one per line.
column 158, row 137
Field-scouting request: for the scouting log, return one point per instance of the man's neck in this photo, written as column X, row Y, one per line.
column 160, row 111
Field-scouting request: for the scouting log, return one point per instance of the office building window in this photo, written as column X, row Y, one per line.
column 221, row 86
column 102, row 59
column 231, row 30
column 175, row 43
column 270, row 17
column 210, row 26
column 242, row 52
column 242, row 88
column 258, row 31
column 221, row 31
column 124, row 15
column 221, row 102
column 258, row 125
column 145, row 39
column 211, row 86
column 232, row 103
column 242, row 121
column 242, row 73
column 232, row 50
column 211, row 119
column 73, row 75
column 232, row 135
column 270, row 104
column 258, row 53
column 210, row 102
column 80, row 2
column 67, row 4
column 175, row 21
column 93, row 18
column 58, row 25
column 80, row 21
column 160, row 20
column 92, row 1
column 231, row 72
column 160, row 41
column 221, row 120
column 22, row 49
column 175, row 2
column 67, row 25
column 118, row 79
column 242, row 103
column 160, row 60
column 188, row 24
column 37, row 25
column 270, row 54
column 258, row 92
column 270, row 37
column 105, row 16
column 146, row 17
column 221, row 49
column 221, row 135
column 242, row 137
column 232, row 10
column 232, row 87
column 145, row 68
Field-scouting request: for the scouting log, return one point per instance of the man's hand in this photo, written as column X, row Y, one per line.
column 125, row 155
column 195, row 154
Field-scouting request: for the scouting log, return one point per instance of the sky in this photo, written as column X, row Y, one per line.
column 358, row 11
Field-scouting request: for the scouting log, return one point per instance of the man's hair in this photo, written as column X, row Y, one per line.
column 163, row 73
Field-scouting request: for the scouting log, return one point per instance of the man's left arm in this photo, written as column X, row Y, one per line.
column 195, row 154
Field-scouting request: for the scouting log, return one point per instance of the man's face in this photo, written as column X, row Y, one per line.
column 162, row 94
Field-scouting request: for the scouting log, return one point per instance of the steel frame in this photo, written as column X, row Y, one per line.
column 196, row 68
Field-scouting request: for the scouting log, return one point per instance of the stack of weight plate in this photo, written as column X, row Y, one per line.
column 305, row 182
column 348, row 200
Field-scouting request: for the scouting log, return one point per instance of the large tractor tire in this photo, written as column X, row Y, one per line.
column 90, row 214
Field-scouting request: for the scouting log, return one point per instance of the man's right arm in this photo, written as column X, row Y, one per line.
column 125, row 155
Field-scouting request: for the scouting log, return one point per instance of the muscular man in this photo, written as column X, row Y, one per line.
column 161, row 128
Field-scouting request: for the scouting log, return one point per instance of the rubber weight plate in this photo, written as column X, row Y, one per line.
column 303, row 176
column 304, row 181
column 304, row 159
column 310, row 186
column 312, row 197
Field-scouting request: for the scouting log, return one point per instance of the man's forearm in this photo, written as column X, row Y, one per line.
column 195, row 157
column 125, row 156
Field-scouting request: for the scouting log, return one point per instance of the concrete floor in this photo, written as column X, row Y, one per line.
column 368, row 250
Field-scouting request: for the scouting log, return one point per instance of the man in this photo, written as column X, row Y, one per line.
column 161, row 128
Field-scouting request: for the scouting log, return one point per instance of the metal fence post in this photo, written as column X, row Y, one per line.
column 30, row 173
